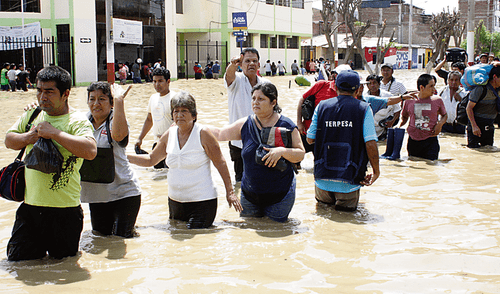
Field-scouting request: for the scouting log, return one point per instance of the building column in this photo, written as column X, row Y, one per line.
column 171, row 38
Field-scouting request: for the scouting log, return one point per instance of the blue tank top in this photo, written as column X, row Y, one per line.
column 263, row 185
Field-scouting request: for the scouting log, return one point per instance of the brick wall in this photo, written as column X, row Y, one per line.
column 481, row 9
column 420, row 29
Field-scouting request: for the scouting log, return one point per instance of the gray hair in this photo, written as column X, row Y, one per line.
column 184, row 99
column 455, row 73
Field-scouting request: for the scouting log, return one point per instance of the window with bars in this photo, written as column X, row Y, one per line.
column 282, row 40
column 179, row 7
column 263, row 41
column 15, row 5
column 293, row 42
column 273, row 41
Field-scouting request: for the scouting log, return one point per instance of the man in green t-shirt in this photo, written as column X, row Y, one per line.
column 51, row 218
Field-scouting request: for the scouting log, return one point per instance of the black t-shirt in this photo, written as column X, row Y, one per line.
column 21, row 77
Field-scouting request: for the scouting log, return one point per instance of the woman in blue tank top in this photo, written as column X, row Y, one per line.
column 266, row 190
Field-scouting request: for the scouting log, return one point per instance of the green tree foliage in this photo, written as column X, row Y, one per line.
column 484, row 41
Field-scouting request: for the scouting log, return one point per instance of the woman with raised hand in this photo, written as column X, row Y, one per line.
column 109, row 184
column 189, row 148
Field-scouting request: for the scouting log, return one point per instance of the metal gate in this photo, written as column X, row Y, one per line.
column 38, row 53
column 204, row 52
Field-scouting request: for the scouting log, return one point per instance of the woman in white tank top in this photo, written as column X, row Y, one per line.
column 189, row 148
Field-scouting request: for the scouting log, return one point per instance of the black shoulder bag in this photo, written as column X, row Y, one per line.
column 102, row 168
column 12, row 181
column 308, row 105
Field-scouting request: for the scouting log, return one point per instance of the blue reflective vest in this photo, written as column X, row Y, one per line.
column 339, row 149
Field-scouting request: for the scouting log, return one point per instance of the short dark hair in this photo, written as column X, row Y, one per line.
column 184, row 99
column 161, row 71
column 495, row 71
column 374, row 78
column 423, row 80
column 250, row 50
column 59, row 75
column 459, row 65
column 104, row 87
column 269, row 90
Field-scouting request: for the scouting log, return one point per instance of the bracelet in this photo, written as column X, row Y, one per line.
column 402, row 97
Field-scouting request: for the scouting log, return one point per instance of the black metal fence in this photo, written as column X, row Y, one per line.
column 38, row 53
column 204, row 52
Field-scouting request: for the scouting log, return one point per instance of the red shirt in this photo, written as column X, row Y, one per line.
column 322, row 90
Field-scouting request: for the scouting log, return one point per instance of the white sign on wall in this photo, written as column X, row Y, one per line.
column 127, row 31
column 12, row 38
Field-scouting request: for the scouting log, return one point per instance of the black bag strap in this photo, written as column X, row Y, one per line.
column 32, row 118
column 255, row 129
column 107, row 126
column 108, row 130
column 492, row 89
column 318, row 91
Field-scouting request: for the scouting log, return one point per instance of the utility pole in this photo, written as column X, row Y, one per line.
column 410, row 35
column 24, row 37
column 110, row 44
column 335, row 41
column 400, row 30
column 470, row 31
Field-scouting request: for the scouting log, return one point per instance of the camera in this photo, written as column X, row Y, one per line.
column 456, row 55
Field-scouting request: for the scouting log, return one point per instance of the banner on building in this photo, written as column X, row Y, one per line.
column 127, row 31
column 13, row 38
column 401, row 60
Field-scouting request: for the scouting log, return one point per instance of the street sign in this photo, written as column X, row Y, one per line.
column 240, row 21
column 240, row 33
column 375, row 4
column 241, row 39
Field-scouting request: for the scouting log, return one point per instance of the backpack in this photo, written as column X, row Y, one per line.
column 462, row 117
column 476, row 75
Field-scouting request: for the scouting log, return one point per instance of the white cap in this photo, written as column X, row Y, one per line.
column 139, row 60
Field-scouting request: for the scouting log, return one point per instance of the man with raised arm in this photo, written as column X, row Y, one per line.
column 239, row 93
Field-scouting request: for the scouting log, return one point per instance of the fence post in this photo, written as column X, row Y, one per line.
column 54, row 51
column 187, row 60
column 198, row 51
column 72, row 56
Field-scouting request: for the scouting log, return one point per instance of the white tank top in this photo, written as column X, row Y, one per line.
column 189, row 176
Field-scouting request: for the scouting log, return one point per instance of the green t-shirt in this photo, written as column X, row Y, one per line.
column 3, row 77
column 56, row 190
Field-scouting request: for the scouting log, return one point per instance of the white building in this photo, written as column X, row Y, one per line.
column 274, row 27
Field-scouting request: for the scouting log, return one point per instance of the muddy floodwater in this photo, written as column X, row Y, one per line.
column 423, row 227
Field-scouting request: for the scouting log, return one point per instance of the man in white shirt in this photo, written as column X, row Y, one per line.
column 452, row 94
column 159, row 116
column 281, row 68
column 389, row 83
column 239, row 91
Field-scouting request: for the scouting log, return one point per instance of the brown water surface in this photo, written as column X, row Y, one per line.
column 423, row 227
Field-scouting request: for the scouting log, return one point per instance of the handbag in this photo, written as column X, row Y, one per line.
column 308, row 105
column 12, row 182
column 272, row 137
column 45, row 157
column 102, row 168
